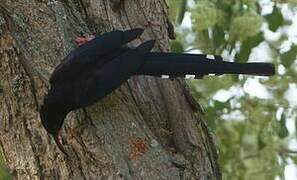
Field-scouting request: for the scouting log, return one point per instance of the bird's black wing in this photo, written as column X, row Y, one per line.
column 102, row 81
column 91, row 52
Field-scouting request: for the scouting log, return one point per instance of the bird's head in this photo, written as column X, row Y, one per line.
column 52, row 121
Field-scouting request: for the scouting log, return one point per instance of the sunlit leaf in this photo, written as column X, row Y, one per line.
column 283, row 131
column 247, row 46
column 289, row 57
column 275, row 19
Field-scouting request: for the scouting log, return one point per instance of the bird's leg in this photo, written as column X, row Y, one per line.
column 82, row 40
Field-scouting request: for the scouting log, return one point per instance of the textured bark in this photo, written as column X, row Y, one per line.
column 147, row 129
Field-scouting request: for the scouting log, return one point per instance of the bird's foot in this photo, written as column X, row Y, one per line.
column 82, row 40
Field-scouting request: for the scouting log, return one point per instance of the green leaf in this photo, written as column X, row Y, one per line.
column 247, row 46
column 4, row 174
column 294, row 158
column 275, row 19
column 177, row 10
column 222, row 105
column 183, row 8
column 289, row 57
column 283, row 131
column 261, row 143
column 218, row 37
column 177, row 46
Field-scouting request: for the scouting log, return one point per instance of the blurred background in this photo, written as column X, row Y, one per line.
column 253, row 119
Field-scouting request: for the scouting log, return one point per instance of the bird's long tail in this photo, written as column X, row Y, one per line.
column 170, row 65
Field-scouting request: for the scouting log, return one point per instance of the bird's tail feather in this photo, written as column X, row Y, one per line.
column 169, row 65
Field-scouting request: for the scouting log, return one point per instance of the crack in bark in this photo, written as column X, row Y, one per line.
column 31, row 79
column 36, row 157
column 148, row 22
column 214, row 155
column 10, row 121
column 107, row 13
column 80, row 167
column 85, row 10
column 134, row 98
column 191, row 100
column 10, row 26
column 126, row 15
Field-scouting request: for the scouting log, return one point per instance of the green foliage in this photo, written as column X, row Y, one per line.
column 177, row 10
column 177, row 46
column 275, row 19
column 204, row 15
column 244, row 26
column 288, row 58
column 4, row 175
column 219, row 24
column 292, row 2
column 247, row 45
column 252, row 133
column 282, row 129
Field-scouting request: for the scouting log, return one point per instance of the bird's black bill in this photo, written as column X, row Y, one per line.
column 59, row 142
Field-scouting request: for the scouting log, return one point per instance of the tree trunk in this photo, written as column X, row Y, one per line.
column 147, row 129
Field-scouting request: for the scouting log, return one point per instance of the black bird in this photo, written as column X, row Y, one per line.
column 99, row 66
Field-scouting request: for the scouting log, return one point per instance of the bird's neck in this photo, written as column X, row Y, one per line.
column 57, row 104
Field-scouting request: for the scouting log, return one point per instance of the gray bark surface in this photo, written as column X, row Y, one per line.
column 147, row 129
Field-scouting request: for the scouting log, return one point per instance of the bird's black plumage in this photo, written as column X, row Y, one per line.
column 95, row 69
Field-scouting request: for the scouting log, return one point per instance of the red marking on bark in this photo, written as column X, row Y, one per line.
column 138, row 147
